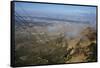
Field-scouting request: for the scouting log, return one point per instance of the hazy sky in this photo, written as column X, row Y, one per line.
column 51, row 8
column 53, row 11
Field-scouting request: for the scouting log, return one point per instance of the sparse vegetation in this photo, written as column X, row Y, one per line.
column 41, row 48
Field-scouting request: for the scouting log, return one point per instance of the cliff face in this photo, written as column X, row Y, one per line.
column 84, row 48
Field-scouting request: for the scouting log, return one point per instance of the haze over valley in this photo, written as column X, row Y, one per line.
column 45, row 35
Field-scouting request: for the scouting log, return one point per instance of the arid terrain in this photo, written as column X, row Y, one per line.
column 54, row 42
column 54, row 34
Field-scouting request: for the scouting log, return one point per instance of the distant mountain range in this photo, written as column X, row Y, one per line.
column 31, row 19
